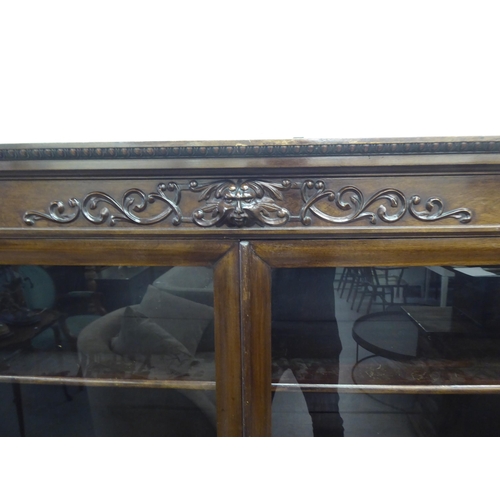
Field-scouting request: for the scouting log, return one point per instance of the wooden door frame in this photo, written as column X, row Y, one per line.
column 222, row 255
column 259, row 257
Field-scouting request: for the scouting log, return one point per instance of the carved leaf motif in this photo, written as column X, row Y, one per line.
column 273, row 189
column 208, row 190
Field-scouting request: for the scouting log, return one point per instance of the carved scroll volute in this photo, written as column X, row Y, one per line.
column 96, row 207
column 393, row 205
column 56, row 213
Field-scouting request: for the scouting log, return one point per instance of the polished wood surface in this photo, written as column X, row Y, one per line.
column 228, row 362
column 379, row 252
column 109, row 250
column 137, row 252
column 256, row 338
column 246, row 207
column 399, row 203
column 333, row 188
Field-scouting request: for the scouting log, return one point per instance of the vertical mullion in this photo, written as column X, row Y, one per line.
column 256, row 338
column 228, row 364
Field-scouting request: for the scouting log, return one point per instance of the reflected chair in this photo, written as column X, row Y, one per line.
column 38, row 292
column 350, row 278
column 77, row 308
column 384, row 283
column 357, row 285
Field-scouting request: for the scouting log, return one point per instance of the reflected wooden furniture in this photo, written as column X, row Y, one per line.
column 450, row 334
column 477, row 296
column 442, row 320
column 21, row 334
column 246, row 207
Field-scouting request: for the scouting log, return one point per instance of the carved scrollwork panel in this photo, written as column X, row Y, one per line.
column 249, row 203
column 394, row 205
column 97, row 207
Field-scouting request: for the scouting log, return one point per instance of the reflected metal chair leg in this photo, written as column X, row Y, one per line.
column 354, row 285
column 370, row 304
column 348, row 275
column 342, row 277
column 361, row 300
column 354, row 298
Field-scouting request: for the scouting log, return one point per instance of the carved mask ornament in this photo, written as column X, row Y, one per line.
column 241, row 204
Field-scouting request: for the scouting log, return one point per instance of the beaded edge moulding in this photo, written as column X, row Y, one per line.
column 249, row 150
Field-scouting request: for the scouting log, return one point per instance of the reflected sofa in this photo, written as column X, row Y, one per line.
column 178, row 306
column 306, row 348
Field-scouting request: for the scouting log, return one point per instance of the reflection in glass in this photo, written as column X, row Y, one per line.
column 413, row 351
column 144, row 334
column 306, row 345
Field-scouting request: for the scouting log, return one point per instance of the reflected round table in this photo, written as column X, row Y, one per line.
column 392, row 335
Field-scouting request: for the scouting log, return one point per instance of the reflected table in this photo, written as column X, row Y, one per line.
column 418, row 331
column 441, row 320
column 20, row 334
column 449, row 334
column 426, row 346
column 392, row 335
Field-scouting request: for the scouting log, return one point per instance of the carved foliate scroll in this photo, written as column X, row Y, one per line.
column 248, row 203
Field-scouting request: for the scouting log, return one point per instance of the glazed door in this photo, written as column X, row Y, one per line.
column 339, row 337
column 372, row 337
column 115, row 337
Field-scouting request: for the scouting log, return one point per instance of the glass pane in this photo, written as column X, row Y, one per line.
column 107, row 351
column 386, row 351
